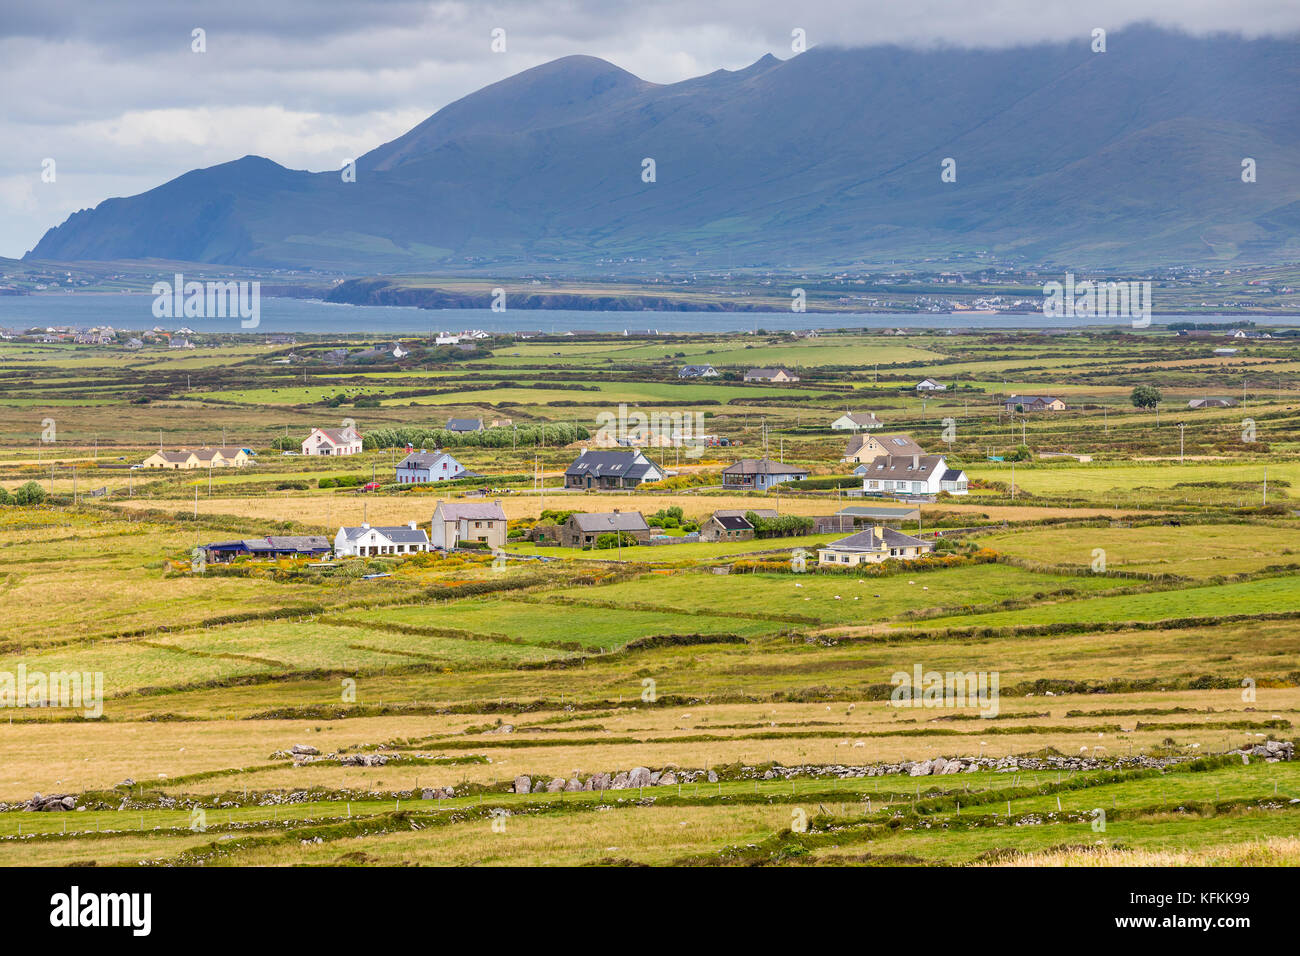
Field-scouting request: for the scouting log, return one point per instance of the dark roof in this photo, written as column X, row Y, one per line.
column 952, row 474
column 464, row 424
column 762, row 466
column 276, row 544
column 733, row 522
column 610, row 521
column 871, row 540
column 1031, row 399
column 611, row 464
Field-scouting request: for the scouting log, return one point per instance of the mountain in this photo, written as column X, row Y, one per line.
column 1126, row 158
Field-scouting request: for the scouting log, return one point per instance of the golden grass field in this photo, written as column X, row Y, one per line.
column 1182, row 648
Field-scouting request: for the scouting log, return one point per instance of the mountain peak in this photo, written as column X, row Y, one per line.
column 568, row 89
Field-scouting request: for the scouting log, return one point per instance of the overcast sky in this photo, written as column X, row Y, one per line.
column 111, row 90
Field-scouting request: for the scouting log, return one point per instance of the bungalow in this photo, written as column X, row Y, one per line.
column 170, row 459
column 584, row 530
column 770, row 375
column 454, row 522
column 272, row 546
column 873, row 546
column 866, row 448
column 368, row 542
column 723, row 526
column 610, row 469
column 1033, row 403
column 913, row 475
column 697, row 371
column 464, row 425
column 332, row 441
column 759, row 474
column 225, row 457
column 422, row 467
column 856, row 421
column 930, row 385
column 1211, row 403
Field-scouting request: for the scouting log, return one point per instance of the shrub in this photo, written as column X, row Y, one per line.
column 29, row 494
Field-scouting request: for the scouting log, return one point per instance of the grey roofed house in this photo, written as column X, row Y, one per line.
column 609, row 521
column 464, row 424
column 697, row 371
column 905, row 466
column 761, row 466
column 610, row 469
column 877, row 539
column 272, row 545
column 862, row 419
column 400, row 534
column 1211, row 403
column 422, row 459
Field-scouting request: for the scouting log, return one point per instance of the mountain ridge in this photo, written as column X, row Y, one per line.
column 1131, row 157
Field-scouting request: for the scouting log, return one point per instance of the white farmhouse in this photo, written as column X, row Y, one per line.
column 332, row 441
column 912, row 475
column 368, row 542
column 856, row 421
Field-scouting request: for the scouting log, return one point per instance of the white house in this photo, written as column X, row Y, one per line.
column 856, row 421
column 872, row 546
column 368, row 542
column 930, row 385
column 422, row 467
column 912, row 475
column 332, row 441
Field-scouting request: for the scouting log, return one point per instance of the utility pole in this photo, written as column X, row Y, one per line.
column 1180, row 443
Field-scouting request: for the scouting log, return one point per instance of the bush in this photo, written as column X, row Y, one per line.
column 783, row 526
column 614, row 538
column 29, row 494
column 291, row 486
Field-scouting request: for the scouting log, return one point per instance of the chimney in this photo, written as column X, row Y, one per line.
column 411, row 525
column 916, row 461
column 366, row 525
column 878, row 534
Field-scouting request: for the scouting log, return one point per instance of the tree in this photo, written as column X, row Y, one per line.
column 29, row 494
column 1145, row 396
